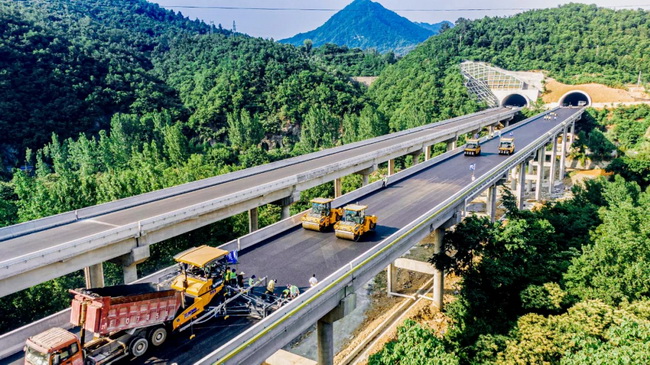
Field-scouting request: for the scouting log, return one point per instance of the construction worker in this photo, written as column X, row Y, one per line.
column 233, row 277
column 286, row 293
column 294, row 291
column 251, row 281
column 313, row 281
column 240, row 279
column 270, row 287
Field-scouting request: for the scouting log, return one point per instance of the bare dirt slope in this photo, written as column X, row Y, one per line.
column 598, row 93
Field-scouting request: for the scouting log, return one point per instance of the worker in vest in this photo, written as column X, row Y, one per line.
column 270, row 287
column 294, row 291
column 286, row 293
column 240, row 279
column 251, row 281
column 233, row 277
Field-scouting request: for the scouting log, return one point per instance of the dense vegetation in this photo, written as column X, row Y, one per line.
column 566, row 284
column 351, row 61
column 366, row 24
column 574, row 43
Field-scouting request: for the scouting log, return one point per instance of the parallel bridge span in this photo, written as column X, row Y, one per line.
column 37, row 251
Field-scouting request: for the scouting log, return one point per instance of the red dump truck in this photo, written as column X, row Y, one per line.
column 125, row 320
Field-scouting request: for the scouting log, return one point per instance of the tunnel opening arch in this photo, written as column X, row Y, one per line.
column 575, row 98
column 516, row 99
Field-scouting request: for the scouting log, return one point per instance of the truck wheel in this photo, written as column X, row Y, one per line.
column 158, row 336
column 139, row 346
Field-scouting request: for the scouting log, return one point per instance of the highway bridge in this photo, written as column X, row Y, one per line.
column 40, row 250
column 411, row 204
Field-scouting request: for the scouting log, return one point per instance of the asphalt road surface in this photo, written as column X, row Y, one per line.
column 26, row 244
column 295, row 255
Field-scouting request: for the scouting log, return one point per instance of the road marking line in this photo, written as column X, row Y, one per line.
column 98, row 222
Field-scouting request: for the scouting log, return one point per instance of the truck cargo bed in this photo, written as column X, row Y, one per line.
column 122, row 307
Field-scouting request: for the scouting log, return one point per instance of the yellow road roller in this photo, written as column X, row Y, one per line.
column 322, row 217
column 355, row 222
column 472, row 147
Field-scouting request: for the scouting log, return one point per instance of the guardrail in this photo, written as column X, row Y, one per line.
column 66, row 250
column 93, row 211
column 360, row 270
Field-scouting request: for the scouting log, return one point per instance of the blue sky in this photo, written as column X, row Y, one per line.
column 279, row 24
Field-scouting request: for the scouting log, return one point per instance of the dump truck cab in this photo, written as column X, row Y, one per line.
column 472, row 147
column 55, row 346
column 506, row 146
column 321, row 217
column 355, row 222
column 200, row 279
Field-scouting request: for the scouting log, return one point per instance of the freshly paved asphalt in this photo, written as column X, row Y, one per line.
column 294, row 256
column 26, row 244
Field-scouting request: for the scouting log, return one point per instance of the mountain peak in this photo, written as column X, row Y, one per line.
column 366, row 24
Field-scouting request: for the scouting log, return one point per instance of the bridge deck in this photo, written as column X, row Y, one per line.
column 34, row 242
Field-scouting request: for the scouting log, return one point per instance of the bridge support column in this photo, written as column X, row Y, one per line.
column 513, row 179
column 552, row 174
column 391, row 167
column 439, row 275
column 491, row 130
column 365, row 175
column 285, row 204
column 94, row 275
column 427, row 153
column 521, row 181
column 391, row 279
column 416, row 157
column 325, row 328
column 130, row 262
column 529, row 183
column 451, row 144
column 253, row 222
column 506, row 123
column 541, row 158
column 573, row 131
column 338, row 188
column 563, row 151
column 491, row 205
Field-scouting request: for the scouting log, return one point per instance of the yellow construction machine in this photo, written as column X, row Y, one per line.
column 322, row 217
column 472, row 147
column 355, row 222
column 506, row 146
column 200, row 280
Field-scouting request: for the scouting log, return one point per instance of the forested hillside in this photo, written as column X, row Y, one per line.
column 574, row 43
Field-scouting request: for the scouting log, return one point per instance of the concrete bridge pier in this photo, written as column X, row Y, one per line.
column 130, row 262
column 513, row 179
column 391, row 279
column 452, row 143
column 563, row 152
column 338, row 187
column 391, row 167
column 416, row 157
column 541, row 158
column 94, row 275
column 521, row 182
column 365, row 174
column 427, row 153
column 253, row 220
column 325, row 328
column 439, row 275
column 529, row 181
column 552, row 173
column 491, row 204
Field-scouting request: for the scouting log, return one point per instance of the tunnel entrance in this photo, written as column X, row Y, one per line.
column 575, row 98
column 515, row 100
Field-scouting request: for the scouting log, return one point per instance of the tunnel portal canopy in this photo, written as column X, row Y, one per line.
column 575, row 98
column 517, row 100
column 481, row 79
